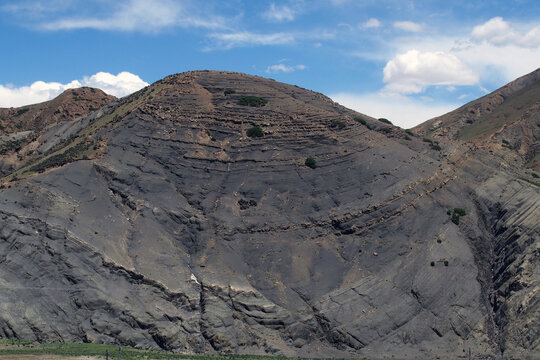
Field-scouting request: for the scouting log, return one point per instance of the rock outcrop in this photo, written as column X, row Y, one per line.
column 157, row 222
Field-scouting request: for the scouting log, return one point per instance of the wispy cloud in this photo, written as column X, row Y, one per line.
column 246, row 38
column 408, row 26
column 499, row 32
column 370, row 24
column 226, row 41
column 277, row 68
column 279, row 13
column 123, row 15
column 118, row 85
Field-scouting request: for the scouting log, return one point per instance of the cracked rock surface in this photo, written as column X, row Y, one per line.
column 187, row 235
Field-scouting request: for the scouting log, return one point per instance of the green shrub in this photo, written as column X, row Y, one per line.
column 460, row 211
column 409, row 131
column 505, row 142
column 337, row 124
column 255, row 131
column 74, row 153
column 363, row 122
column 427, row 140
column 432, row 263
column 386, row 130
column 11, row 145
column 21, row 111
column 455, row 218
column 407, row 137
column 229, row 91
column 310, row 162
column 445, row 262
column 435, row 147
column 386, row 121
column 360, row 120
column 251, row 100
column 535, row 175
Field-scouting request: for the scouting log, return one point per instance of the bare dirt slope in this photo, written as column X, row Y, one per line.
column 157, row 222
column 506, row 121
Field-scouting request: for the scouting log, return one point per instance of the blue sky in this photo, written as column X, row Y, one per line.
column 404, row 60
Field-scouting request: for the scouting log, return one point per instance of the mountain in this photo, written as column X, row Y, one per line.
column 506, row 121
column 67, row 106
column 221, row 212
column 26, row 125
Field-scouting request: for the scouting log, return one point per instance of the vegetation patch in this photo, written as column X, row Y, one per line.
column 21, row 111
column 529, row 181
column 386, row 121
column 229, row 91
column 338, row 124
column 386, row 130
column 362, row 121
column 11, row 146
column 456, row 214
column 16, row 348
column 77, row 152
column 410, row 132
column 506, row 144
column 251, row 100
column 407, row 137
column 432, row 144
column 255, row 131
column 310, row 162
column 246, row 204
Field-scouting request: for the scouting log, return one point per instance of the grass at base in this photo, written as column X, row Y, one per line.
column 14, row 347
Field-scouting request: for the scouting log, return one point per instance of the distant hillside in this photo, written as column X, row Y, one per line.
column 67, row 106
column 507, row 121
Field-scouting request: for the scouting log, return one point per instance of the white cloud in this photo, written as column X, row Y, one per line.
column 274, row 69
column 408, row 26
column 246, row 38
column 118, row 85
column 279, row 13
column 38, row 92
column 499, row 32
column 413, row 71
column 138, row 15
column 402, row 111
column 371, row 24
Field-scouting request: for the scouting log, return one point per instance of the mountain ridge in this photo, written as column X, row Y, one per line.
column 506, row 119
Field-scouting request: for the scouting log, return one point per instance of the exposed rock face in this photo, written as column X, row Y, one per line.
column 178, row 231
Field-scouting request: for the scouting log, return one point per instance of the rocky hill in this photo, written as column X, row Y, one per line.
column 221, row 212
column 69, row 105
column 21, row 127
column 506, row 121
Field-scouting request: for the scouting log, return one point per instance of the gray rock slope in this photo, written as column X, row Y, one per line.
column 187, row 235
